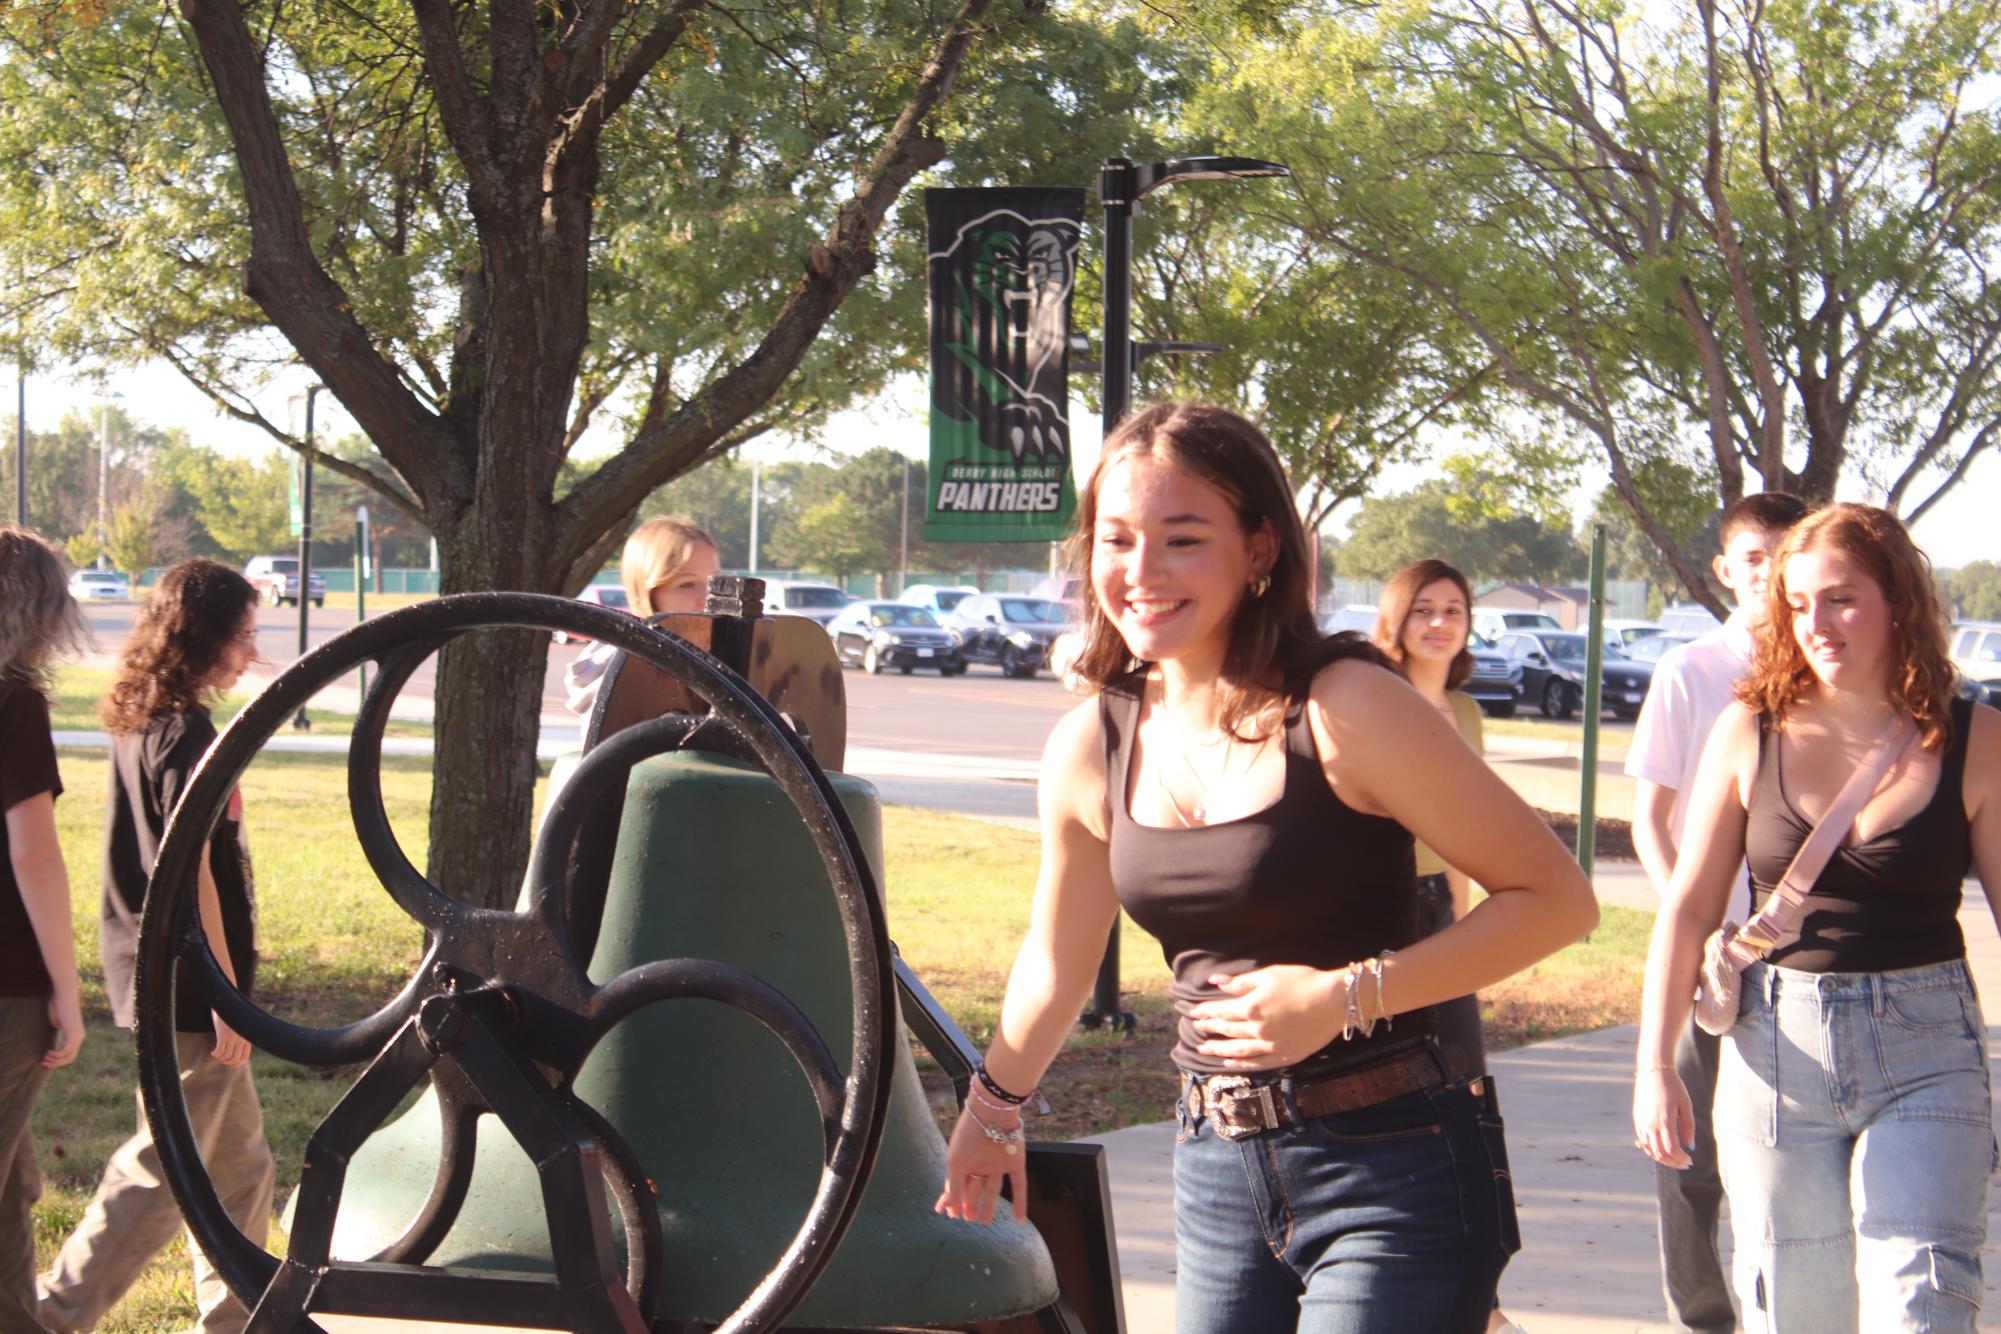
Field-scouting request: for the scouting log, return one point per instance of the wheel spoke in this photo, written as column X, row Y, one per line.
column 302, row 1045
column 413, row 892
column 361, row 1110
column 706, row 979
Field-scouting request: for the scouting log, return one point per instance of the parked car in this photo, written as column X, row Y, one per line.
column 1496, row 681
column 1976, row 651
column 1553, row 673
column 1357, row 616
column 1627, row 635
column 938, row 599
column 1490, row 623
column 1688, row 619
column 98, row 586
column 894, row 634
column 276, row 579
column 601, row 595
column 1012, row 631
column 1059, row 588
column 1654, row 647
column 816, row 602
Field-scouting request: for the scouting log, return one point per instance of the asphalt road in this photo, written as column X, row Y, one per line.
column 980, row 713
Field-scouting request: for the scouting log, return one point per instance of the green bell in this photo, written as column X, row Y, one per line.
column 713, row 862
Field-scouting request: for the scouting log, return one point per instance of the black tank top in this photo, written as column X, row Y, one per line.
column 1891, row 902
column 1307, row 880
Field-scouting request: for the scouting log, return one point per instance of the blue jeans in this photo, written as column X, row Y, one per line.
column 1393, row 1218
column 1854, row 1131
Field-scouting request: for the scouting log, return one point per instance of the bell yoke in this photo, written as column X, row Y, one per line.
column 669, row 866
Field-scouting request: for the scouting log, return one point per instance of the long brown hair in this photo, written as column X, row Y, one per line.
column 1920, row 680
column 1400, row 595
column 38, row 617
column 1275, row 645
column 186, row 623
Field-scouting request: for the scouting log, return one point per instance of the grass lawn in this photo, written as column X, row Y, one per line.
column 77, row 690
column 334, row 947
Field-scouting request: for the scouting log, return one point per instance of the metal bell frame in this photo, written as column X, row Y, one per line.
column 501, row 1014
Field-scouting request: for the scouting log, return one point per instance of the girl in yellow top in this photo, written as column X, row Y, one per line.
column 1422, row 624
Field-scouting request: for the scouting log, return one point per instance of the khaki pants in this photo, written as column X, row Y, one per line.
column 133, row 1215
column 24, row 1037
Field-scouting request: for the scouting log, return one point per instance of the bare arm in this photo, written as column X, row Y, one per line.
column 1069, row 920
column 1387, row 752
column 230, row 1047
column 1071, row 915
column 1698, row 893
column 1461, row 887
column 1653, row 832
column 1982, row 786
column 37, row 858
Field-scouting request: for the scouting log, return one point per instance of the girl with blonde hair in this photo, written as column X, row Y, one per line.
column 665, row 568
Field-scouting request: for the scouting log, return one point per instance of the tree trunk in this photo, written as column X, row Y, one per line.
column 489, row 717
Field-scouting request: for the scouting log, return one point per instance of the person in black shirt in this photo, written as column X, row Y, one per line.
column 1248, row 788
column 41, row 1020
column 1853, row 1117
column 194, row 637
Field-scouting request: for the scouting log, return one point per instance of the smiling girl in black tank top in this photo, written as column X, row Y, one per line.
column 1249, row 788
column 1853, row 1116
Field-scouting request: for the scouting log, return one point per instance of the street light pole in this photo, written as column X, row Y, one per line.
column 756, row 490
column 1121, row 185
column 903, row 575
column 104, row 475
column 299, row 720
column 21, row 443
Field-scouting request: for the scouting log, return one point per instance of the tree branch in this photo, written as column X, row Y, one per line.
column 285, row 278
column 833, row 267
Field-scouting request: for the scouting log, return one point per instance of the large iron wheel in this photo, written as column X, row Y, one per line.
column 500, row 1013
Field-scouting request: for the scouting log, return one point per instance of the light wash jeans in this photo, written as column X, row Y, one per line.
column 1854, row 1130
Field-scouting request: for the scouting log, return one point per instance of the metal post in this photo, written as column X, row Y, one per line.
column 299, row 720
column 103, row 479
column 1115, row 188
column 21, row 444
column 756, row 490
column 903, row 575
column 362, row 564
column 1594, row 703
column 1116, row 181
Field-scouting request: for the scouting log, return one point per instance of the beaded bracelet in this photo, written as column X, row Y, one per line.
column 987, row 1081
column 974, row 1093
column 1009, row 1140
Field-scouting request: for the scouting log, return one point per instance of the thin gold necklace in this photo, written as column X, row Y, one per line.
column 1197, row 816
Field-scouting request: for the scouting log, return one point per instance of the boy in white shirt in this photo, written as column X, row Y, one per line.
column 1692, row 685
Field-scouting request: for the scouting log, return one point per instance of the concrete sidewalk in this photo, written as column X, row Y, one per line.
column 1588, row 1263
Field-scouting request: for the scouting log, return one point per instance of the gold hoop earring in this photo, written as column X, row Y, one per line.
column 1260, row 585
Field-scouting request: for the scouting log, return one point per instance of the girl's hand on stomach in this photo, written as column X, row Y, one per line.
column 1270, row 1017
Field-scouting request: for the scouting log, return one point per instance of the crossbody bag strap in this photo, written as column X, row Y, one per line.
column 1787, row 904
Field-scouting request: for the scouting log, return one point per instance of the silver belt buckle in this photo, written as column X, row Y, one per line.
column 1239, row 1108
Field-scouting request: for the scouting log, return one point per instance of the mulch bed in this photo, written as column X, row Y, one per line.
column 1614, row 837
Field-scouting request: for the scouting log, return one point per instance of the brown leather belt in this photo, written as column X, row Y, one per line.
column 1242, row 1105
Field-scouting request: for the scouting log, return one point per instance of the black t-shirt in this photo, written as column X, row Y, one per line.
column 150, row 770
column 29, row 771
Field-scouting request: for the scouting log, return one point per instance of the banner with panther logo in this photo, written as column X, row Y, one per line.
column 1002, row 265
